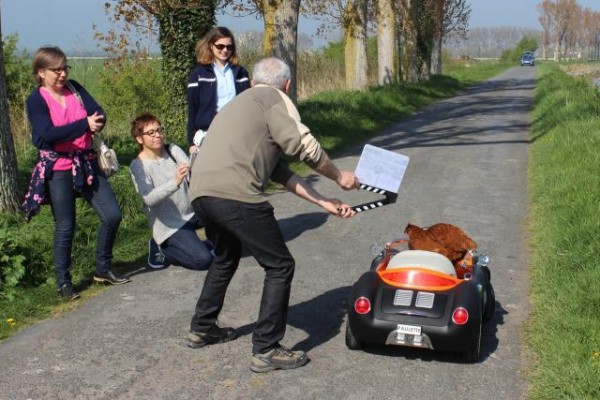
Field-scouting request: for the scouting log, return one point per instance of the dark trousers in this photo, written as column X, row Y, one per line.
column 62, row 199
column 229, row 224
column 186, row 249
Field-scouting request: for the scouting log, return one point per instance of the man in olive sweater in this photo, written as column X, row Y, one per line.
column 243, row 150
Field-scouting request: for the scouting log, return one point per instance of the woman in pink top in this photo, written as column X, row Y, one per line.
column 64, row 118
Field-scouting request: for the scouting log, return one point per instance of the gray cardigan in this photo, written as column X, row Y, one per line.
column 167, row 206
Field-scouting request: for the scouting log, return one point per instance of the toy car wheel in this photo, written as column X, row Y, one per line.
column 351, row 341
column 472, row 354
column 490, row 303
column 488, row 274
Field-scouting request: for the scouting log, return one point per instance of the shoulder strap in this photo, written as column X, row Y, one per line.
column 75, row 93
column 97, row 137
column 168, row 150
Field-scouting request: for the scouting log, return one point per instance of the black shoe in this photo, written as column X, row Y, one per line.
column 214, row 335
column 67, row 292
column 111, row 277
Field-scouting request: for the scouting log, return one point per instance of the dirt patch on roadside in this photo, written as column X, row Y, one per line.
column 589, row 71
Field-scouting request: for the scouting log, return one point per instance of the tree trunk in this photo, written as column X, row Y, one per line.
column 355, row 48
column 9, row 194
column 436, row 56
column 281, row 34
column 545, row 44
column 386, row 43
column 557, row 46
column 268, row 11
column 438, row 37
column 180, row 29
column 410, row 49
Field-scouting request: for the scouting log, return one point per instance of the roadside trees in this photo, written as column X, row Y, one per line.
column 451, row 17
column 180, row 24
column 280, row 20
column 387, row 54
column 352, row 17
column 9, row 198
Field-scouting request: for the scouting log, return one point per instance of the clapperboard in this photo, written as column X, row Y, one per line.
column 380, row 171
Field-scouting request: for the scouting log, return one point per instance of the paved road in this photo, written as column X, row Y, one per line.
column 468, row 167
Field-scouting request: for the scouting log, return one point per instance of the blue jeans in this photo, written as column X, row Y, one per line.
column 62, row 200
column 229, row 224
column 185, row 248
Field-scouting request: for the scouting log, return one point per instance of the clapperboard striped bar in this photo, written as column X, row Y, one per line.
column 389, row 199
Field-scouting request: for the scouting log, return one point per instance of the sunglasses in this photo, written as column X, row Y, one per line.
column 224, row 46
column 60, row 70
column 160, row 131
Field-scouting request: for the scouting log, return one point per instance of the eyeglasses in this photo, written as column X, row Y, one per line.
column 60, row 70
column 160, row 131
column 224, row 46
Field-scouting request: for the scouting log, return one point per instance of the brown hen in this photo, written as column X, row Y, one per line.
column 446, row 239
column 420, row 239
column 452, row 237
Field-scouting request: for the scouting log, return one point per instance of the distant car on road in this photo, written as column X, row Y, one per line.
column 527, row 59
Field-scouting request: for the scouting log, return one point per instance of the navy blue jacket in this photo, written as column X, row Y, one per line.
column 202, row 96
column 44, row 133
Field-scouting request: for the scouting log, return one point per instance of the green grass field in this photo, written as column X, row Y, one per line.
column 564, row 329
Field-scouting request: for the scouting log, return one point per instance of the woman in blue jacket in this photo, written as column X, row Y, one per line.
column 64, row 119
column 216, row 80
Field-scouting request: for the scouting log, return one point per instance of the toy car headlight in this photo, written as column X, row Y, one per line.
column 376, row 249
column 483, row 260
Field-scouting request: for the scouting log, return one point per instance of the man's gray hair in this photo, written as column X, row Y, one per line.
column 271, row 71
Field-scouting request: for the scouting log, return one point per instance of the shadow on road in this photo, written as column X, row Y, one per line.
column 294, row 226
column 419, row 131
column 310, row 317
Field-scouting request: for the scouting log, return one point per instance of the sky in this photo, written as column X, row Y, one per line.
column 68, row 23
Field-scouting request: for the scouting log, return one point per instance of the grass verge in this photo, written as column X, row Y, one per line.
column 564, row 329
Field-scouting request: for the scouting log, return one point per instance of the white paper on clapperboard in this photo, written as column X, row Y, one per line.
column 381, row 168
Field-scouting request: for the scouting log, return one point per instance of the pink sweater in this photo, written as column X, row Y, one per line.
column 60, row 115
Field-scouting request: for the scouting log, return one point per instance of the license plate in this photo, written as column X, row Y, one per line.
column 408, row 329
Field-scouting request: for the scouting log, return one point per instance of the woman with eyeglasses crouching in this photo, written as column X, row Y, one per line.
column 217, row 78
column 64, row 118
column 160, row 175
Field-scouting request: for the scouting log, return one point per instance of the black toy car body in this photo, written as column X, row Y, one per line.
column 413, row 298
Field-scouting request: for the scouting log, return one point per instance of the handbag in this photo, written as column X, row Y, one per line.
column 107, row 158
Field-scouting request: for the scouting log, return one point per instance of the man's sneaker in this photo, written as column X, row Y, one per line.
column 278, row 358
column 156, row 258
column 214, row 335
column 67, row 292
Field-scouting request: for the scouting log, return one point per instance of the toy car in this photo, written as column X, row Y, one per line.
column 414, row 298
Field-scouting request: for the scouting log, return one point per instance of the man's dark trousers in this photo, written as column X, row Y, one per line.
column 229, row 224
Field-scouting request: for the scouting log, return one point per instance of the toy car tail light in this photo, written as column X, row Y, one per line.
column 362, row 305
column 460, row 316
